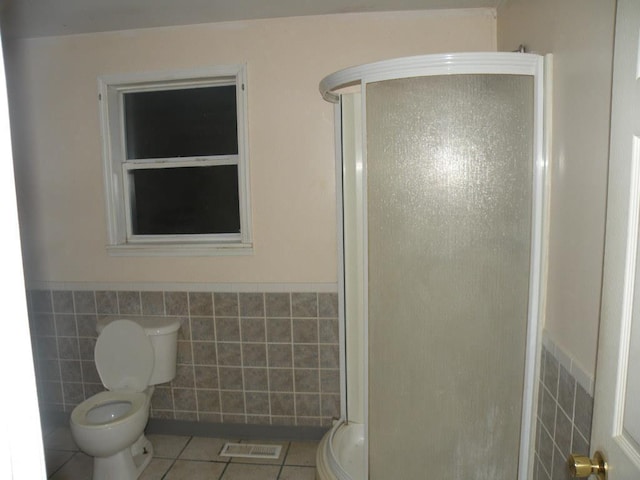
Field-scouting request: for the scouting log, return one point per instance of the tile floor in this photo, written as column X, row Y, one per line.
column 193, row 458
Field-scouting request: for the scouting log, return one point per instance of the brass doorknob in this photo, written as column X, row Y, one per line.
column 583, row 467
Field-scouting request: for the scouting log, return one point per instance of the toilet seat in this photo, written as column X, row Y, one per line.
column 124, row 356
column 79, row 414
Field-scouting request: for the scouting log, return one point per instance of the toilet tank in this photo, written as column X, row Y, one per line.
column 163, row 333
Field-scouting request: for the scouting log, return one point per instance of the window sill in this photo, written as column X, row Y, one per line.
column 179, row 250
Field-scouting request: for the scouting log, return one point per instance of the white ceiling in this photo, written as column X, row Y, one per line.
column 36, row 18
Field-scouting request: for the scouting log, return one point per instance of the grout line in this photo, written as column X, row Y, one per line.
column 175, row 459
column 217, row 366
column 193, row 362
column 284, row 460
column 266, row 357
column 242, row 366
column 55, row 333
column 293, row 362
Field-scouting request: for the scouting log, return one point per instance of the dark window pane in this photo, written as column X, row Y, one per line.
column 181, row 123
column 187, row 200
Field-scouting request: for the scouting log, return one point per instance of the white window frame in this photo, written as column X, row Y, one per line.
column 116, row 166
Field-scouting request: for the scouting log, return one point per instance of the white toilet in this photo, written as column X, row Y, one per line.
column 130, row 357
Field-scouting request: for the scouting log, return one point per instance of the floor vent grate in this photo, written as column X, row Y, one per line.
column 250, row 450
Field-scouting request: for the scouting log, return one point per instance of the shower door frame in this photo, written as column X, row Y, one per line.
column 500, row 63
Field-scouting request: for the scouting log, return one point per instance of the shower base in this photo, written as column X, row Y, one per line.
column 340, row 454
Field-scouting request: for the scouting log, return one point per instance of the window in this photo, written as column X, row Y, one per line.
column 175, row 162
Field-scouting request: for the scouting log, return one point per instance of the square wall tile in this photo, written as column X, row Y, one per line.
column 305, row 356
column 256, row 379
column 41, row 301
column 306, row 380
column 305, row 330
column 254, row 354
column 281, row 379
column 225, row 304
column 206, row 376
column 129, row 303
column 227, row 329
column 330, row 381
column 257, row 403
column 282, row 404
column 106, row 303
column 152, row 303
column 251, row 304
column 203, row 328
column 204, row 353
column 253, row 330
column 304, row 305
column 277, row 305
column 201, row 303
column 328, row 305
column 184, row 377
column 85, row 301
column 232, row 402
column 43, row 324
column 162, row 398
column 86, row 324
column 328, row 328
column 307, row 404
column 229, row 354
column 280, row 355
column 278, row 330
column 208, row 400
column 66, row 325
column 176, row 303
column 184, row 399
column 230, row 378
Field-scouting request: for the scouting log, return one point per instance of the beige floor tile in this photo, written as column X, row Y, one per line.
column 264, row 461
column 193, row 470
column 60, row 439
column 80, row 467
column 156, row 469
column 167, row 446
column 203, row 448
column 297, row 473
column 302, row 454
column 240, row 471
column 55, row 459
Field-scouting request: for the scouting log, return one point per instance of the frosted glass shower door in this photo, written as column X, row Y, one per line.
column 449, row 206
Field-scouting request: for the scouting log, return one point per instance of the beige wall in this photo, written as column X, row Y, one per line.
column 53, row 89
column 579, row 33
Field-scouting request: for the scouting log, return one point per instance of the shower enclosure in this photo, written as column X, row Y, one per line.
column 442, row 173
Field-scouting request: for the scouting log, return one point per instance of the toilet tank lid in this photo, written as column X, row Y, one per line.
column 151, row 325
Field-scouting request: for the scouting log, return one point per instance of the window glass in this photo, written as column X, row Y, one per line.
column 176, row 162
column 185, row 200
column 186, row 122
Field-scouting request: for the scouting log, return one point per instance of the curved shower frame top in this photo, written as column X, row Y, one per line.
column 492, row 63
column 506, row 63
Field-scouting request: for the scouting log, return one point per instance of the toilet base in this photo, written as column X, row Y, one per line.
column 127, row 464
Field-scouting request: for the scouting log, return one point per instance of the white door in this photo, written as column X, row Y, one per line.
column 21, row 452
column 616, row 420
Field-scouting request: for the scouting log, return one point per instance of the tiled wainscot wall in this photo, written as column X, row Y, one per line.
column 565, row 411
column 243, row 357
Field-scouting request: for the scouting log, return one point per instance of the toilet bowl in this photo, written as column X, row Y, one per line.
column 110, row 425
column 110, row 421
